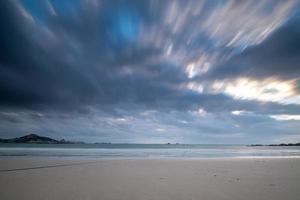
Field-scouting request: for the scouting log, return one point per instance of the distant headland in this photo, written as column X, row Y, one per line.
column 36, row 139
column 275, row 145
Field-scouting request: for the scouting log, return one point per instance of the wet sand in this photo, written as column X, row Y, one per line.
column 207, row 179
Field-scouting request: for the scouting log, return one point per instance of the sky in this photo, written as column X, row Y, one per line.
column 151, row 71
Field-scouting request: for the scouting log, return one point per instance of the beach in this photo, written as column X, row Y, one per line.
column 150, row 179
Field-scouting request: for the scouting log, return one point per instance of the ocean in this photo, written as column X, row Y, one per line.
column 142, row 151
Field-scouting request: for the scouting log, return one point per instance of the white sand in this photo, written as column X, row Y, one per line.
column 204, row 179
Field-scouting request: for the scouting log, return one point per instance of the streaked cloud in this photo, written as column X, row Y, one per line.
column 239, row 112
column 285, row 117
column 266, row 90
column 150, row 71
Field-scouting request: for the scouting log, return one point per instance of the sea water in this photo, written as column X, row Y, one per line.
column 120, row 151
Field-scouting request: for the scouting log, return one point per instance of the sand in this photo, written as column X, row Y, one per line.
column 202, row 179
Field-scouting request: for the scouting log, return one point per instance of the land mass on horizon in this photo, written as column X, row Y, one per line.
column 36, row 139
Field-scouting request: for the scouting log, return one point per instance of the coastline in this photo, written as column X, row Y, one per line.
column 135, row 179
column 140, row 151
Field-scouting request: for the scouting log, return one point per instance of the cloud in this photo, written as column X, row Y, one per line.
column 239, row 112
column 286, row 117
column 277, row 56
column 266, row 90
column 185, row 66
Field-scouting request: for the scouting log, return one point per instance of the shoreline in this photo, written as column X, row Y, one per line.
column 86, row 158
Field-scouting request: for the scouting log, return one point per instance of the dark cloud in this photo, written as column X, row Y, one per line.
column 277, row 56
column 66, row 67
column 79, row 64
column 35, row 72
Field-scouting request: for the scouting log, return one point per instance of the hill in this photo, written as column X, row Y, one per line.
column 36, row 139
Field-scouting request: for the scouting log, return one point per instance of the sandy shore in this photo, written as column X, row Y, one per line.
column 204, row 179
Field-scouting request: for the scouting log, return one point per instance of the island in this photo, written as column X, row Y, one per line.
column 275, row 145
column 36, row 139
